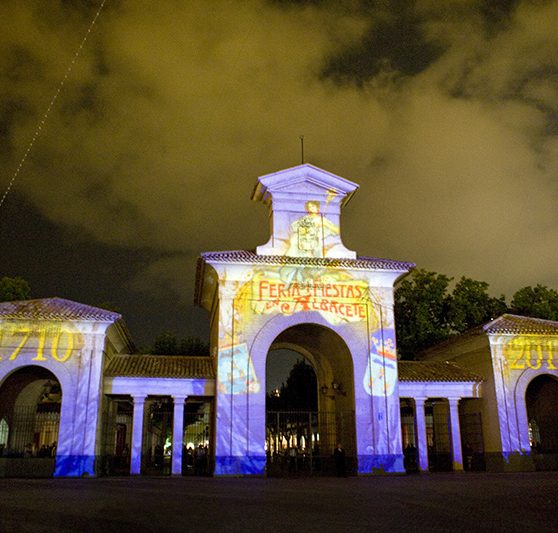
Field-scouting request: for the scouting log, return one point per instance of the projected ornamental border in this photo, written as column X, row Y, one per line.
column 304, row 278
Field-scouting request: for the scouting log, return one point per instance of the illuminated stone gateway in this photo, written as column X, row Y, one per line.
column 74, row 403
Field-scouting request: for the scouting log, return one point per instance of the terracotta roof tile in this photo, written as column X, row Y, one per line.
column 248, row 256
column 434, row 371
column 161, row 366
column 54, row 309
column 514, row 324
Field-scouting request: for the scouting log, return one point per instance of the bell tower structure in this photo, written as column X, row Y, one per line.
column 304, row 289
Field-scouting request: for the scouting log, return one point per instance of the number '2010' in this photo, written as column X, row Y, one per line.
column 519, row 356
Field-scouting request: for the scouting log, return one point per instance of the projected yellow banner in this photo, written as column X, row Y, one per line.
column 341, row 301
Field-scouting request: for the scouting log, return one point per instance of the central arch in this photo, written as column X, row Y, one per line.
column 304, row 441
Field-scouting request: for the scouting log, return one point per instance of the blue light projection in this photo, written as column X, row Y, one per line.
column 381, row 374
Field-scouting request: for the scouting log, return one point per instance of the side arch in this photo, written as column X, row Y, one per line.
column 520, row 404
column 59, row 370
column 31, row 399
column 541, row 399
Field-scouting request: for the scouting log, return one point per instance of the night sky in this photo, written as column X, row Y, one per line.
column 445, row 113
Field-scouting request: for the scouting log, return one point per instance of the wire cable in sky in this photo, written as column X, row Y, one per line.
column 44, row 118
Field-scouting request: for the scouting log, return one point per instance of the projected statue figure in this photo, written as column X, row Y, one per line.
column 310, row 232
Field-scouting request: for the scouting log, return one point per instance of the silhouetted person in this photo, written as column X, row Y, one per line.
column 158, row 455
column 292, row 459
column 189, row 460
column 28, row 450
column 468, row 454
column 410, row 457
column 339, row 458
column 200, row 460
column 316, row 457
column 44, row 451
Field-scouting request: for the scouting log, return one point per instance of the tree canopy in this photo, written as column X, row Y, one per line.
column 538, row 302
column 167, row 343
column 422, row 305
column 471, row 305
column 300, row 393
column 12, row 289
column 427, row 311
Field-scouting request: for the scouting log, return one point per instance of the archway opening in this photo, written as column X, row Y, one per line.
column 30, row 400
column 309, row 402
column 541, row 398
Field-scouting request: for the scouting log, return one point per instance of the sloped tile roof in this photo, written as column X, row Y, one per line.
column 505, row 324
column 160, row 366
column 248, row 256
column 434, row 371
column 55, row 309
column 514, row 324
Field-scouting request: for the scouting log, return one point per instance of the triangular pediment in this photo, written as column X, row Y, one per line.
column 302, row 184
column 304, row 180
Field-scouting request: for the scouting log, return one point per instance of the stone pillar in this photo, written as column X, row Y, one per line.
column 422, row 445
column 137, row 435
column 177, row 434
column 455, row 434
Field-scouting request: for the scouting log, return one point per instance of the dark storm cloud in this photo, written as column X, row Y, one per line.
column 394, row 41
column 445, row 113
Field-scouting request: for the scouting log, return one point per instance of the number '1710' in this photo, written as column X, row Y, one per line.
column 60, row 340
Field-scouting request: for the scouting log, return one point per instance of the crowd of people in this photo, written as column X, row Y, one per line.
column 195, row 460
column 295, row 460
column 31, row 450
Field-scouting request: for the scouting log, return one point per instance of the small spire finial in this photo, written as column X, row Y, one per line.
column 301, row 137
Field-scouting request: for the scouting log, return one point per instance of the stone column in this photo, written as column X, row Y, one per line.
column 177, row 434
column 137, row 435
column 422, row 445
column 455, row 434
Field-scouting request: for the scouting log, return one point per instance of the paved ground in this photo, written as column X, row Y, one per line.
column 440, row 502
